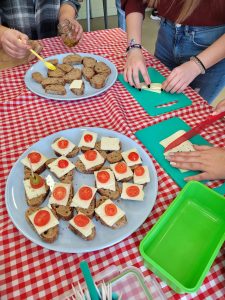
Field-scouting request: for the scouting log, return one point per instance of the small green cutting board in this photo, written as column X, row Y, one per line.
column 153, row 102
column 153, row 135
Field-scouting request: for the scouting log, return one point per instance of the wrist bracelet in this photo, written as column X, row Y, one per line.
column 199, row 63
column 138, row 46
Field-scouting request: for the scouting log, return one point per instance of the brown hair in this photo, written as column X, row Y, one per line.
column 187, row 9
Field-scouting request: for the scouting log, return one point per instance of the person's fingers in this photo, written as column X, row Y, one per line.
column 194, row 166
column 176, row 87
column 198, row 177
column 168, row 80
column 182, row 88
column 171, row 84
column 130, row 76
column 201, row 148
column 125, row 74
column 136, row 79
column 145, row 75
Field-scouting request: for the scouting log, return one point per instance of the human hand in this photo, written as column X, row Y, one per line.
column 180, row 77
column 15, row 43
column 135, row 63
column 209, row 160
column 77, row 30
column 219, row 108
column 37, row 47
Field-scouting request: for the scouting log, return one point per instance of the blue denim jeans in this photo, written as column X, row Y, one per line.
column 177, row 43
column 121, row 15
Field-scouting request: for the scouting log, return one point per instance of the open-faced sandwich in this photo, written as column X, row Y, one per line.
column 62, row 168
column 82, row 226
column 44, row 222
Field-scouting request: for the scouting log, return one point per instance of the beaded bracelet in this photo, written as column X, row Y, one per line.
column 199, row 63
column 134, row 46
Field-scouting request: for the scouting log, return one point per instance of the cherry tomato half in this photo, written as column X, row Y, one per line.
column 121, row 167
column 63, row 163
column 139, row 171
column 133, row 191
column 42, row 217
column 90, row 155
column 81, row 220
column 59, row 193
column 133, row 156
column 88, row 138
column 103, row 176
column 85, row 193
column 34, row 157
column 36, row 181
column 110, row 209
column 63, row 144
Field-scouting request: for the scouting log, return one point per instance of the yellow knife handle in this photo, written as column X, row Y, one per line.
column 35, row 53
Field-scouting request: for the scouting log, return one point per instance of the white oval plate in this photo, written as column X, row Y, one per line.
column 136, row 211
column 36, row 88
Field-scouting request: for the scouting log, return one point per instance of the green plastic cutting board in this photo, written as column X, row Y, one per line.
column 152, row 102
column 151, row 137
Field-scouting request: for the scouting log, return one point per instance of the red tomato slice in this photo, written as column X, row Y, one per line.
column 139, row 171
column 88, row 138
column 103, row 176
column 63, row 144
column 133, row 156
column 133, row 191
column 81, row 220
column 59, row 193
column 34, row 157
column 42, row 218
column 85, row 193
column 62, row 163
column 36, row 181
column 110, row 209
column 121, row 167
column 90, row 155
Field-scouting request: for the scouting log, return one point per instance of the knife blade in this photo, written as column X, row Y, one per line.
column 194, row 131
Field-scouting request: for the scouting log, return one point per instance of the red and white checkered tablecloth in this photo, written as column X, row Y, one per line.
column 29, row 271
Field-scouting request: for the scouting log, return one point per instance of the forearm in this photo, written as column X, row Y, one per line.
column 214, row 53
column 134, row 25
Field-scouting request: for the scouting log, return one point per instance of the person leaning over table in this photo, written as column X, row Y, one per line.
column 190, row 42
column 22, row 20
column 209, row 160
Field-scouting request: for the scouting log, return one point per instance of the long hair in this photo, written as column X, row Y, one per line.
column 187, row 9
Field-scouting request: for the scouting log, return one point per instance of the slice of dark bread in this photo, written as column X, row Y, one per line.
column 101, row 67
column 74, row 74
column 38, row 77
column 86, row 238
column 79, row 91
column 81, row 168
column 89, row 211
column 50, row 235
column 98, row 81
column 52, row 80
column 65, row 67
column 98, row 148
column 89, row 62
column 73, row 59
column 114, row 157
column 70, row 154
column 55, row 89
column 64, row 212
column 67, row 178
column 56, row 73
column 28, row 172
column 113, row 195
column 53, row 61
column 88, row 73
column 100, row 200
column 37, row 201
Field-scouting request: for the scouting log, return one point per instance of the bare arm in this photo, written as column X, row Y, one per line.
column 135, row 60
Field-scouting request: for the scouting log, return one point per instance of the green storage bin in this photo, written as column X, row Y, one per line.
column 181, row 247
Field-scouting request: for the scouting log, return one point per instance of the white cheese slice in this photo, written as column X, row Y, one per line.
column 31, row 192
column 110, row 144
column 52, row 222
column 109, row 185
column 109, row 220
column 64, row 151
column 86, row 230
column 77, row 202
column 90, row 144
column 50, row 182
column 64, row 201
column 186, row 146
column 129, row 162
column 76, row 84
column 143, row 178
column 35, row 166
column 59, row 172
column 154, row 87
column 92, row 163
column 139, row 197
column 121, row 176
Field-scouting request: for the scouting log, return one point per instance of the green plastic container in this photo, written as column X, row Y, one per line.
column 181, row 247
